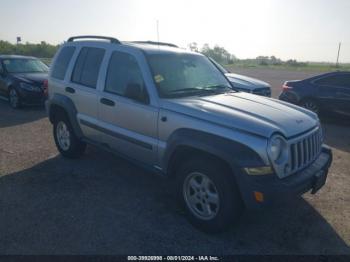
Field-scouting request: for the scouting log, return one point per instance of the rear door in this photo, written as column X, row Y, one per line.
column 343, row 93
column 327, row 92
column 82, row 88
column 128, row 126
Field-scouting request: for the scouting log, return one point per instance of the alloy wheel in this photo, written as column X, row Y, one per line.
column 13, row 97
column 201, row 196
column 63, row 135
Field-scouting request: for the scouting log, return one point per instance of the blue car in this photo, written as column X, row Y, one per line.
column 23, row 80
column 328, row 92
column 244, row 83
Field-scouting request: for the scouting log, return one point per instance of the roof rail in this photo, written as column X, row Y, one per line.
column 111, row 39
column 154, row 43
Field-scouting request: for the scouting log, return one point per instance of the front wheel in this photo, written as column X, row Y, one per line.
column 66, row 141
column 14, row 98
column 208, row 193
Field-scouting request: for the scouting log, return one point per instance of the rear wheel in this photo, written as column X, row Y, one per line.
column 14, row 98
column 66, row 141
column 310, row 105
column 208, row 193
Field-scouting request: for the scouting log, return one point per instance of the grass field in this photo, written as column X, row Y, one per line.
column 310, row 66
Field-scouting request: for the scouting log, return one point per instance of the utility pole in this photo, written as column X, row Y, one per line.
column 337, row 64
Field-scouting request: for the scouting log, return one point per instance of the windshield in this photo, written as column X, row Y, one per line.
column 21, row 65
column 178, row 75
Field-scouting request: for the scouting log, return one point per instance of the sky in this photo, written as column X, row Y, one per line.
column 306, row 30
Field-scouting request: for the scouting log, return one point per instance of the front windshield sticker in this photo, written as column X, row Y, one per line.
column 6, row 62
column 158, row 78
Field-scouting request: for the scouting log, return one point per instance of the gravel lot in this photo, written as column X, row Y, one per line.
column 101, row 204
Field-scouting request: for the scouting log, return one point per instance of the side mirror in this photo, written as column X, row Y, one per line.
column 136, row 92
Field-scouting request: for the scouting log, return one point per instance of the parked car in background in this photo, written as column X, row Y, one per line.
column 244, row 83
column 328, row 92
column 174, row 113
column 23, row 80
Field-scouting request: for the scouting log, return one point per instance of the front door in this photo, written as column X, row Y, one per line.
column 129, row 125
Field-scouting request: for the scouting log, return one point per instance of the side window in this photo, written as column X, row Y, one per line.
column 123, row 70
column 344, row 80
column 341, row 80
column 87, row 66
column 60, row 67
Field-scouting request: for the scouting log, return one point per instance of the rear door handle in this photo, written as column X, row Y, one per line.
column 107, row 102
column 70, row 90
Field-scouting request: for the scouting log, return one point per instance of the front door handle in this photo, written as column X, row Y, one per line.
column 107, row 102
column 70, row 90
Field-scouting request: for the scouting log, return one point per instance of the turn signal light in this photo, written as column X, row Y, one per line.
column 259, row 197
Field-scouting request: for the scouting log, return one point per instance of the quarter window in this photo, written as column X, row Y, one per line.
column 123, row 70
column 60, row 67
column 88, row 65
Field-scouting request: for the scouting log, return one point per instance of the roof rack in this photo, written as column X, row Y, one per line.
column 154, row 43
column 111, row 39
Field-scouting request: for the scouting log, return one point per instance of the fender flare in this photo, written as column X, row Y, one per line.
column 69, row 108
column 236, row 154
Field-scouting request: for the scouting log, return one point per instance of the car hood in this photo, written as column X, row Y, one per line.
column 250, row 113
column 241, row 81
column 34, row 78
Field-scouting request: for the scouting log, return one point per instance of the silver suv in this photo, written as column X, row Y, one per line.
column 175, row 113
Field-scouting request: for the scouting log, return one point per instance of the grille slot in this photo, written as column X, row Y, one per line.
column 304, row 150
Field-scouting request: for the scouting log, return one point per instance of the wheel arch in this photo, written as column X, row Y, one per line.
column 60, row 104
column 187, row 142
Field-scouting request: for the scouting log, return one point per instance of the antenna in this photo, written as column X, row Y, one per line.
column 157, row 31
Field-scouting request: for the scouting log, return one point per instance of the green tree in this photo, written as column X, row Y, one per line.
column 218, row 53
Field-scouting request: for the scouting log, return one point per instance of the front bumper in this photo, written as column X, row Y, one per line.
column 276, row 191
column 31, row 97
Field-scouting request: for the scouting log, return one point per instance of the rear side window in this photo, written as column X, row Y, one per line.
column 88, row 66
column 60, row 67
column 123, row 69
column 341, row 80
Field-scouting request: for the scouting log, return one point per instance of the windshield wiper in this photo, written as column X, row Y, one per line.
column 216, row 87
column 211, row 89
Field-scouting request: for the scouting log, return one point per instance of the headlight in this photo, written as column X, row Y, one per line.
column 277, row 148
column 30, row 87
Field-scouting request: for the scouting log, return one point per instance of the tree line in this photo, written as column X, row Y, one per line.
column 218, row 53
column 222, row 56
column 42, row 50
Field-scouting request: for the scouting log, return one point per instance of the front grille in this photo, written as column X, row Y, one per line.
column 305, row 150
column 262, row 92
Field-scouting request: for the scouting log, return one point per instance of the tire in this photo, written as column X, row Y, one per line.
column 221, row 196
column 67, row 143
column 14, row 98
column 311, row 105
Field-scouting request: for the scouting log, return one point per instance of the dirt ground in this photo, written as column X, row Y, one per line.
column 101, row 204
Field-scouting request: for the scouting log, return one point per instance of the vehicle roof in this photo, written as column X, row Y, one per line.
column 158, row 49
column 16, row 57
column 327, row 74
column 145, row 46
